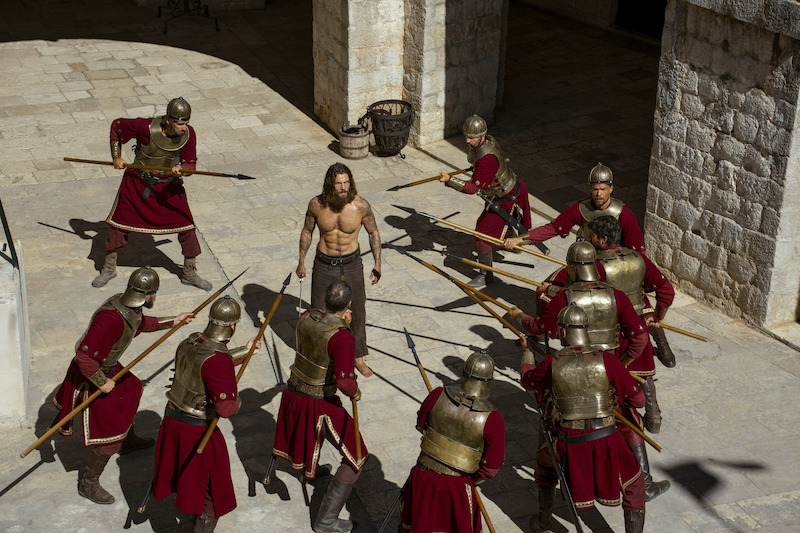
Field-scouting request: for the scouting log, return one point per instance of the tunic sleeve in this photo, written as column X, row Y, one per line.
column 189, row 151
column 342, row 349
column 427, row 405
column 125, row 129
column 655, row 280
column 627, row 390
column 494, row 438
column 631, row 232
column 631, row 325
column 106, row 329
column 220, row 380
column 483, row 175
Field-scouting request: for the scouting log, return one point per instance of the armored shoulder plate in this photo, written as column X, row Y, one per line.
column 589, row 213
column 580, row 385
column 312, row 364
column 162, row 151
column 625, row 271
column 597, row 300
column 188, row 392
column 455, row 393
column 454, row 434
column 504, row 180
column 131, row 320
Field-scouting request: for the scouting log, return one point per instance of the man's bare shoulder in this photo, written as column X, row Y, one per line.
column 315, row 205
column 362, row 205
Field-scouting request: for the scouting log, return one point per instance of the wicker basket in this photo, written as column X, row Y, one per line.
column 391, row 122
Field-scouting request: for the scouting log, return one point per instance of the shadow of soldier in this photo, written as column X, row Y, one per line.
column 257, row 302
column 141, row 250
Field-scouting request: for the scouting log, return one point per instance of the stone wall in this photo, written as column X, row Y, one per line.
column 723, row 198
column 15, row 348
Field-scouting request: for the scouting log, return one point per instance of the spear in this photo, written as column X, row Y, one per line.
column 250, row 353
column 682, row 332
column 126, row 369
column 165, row 170
column 487, row 238
column 426, row 180
column 489, row 268
column 411, row 345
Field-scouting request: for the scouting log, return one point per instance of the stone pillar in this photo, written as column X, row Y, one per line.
column 723, row 201
column 15, row 349
column 358, row 57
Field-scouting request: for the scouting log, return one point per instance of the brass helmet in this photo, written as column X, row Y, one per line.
column 573, row 322
column 142, row 282
column 581, row 265
column 601, row 174
column 476, row 378
column 474, row 127
column 224, row 313
column 178, row 109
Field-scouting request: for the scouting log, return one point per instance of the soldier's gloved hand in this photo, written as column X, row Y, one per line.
column 108, row 386
column 356, row 396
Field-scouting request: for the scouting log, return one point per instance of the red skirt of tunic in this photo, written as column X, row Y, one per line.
column 644, row 365
column 109, row 417
column 439, row 503
column 492, row 224
column 165, row 210
column 180, row 469
column 302, row 425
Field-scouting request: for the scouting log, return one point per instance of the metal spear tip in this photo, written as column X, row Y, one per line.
column 395, row 188
column 406, row 209
column 409, row 340
column 396, row 248
column 243, row 177
column 286, row 281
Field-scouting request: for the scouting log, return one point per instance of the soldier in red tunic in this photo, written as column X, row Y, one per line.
column 582, row 387
column 204, row 386
column 310, row 410
column 499, row 184
column 108, row 420
column 152, row 202
column 601, row 185
column 463, row 444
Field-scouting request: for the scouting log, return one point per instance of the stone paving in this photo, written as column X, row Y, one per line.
column 730, row 437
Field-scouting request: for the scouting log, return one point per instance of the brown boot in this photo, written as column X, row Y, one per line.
column 652, row 413
column 634, row 521
column 652, row 489
column 205, row 523
column 328, row 520
column 543, row 520
column 663, row 351
column 190, row 276
column 108, row 272
column 484, row 277
column 134, row 442
column 89, row 481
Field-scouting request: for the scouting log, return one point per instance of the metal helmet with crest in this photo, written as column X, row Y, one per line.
column 143, row 281
column 474, row 127
column 224, row 313
column 573, row 326
column 476, row 383
column 581, row 257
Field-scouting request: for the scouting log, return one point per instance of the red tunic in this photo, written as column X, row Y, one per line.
column 633, row 335
column 440, row 503
column 166, row 209
column 631, row 232
column 488, row 222
column 109, row 416
column 178, row 466
column 603, row 470
column 304, row 422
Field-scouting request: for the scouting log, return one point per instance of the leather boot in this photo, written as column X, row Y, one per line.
column 89, row 481
column 651, row 488
column 543, row 520
column 663, row 351
column 652, row 413
column 108, row 272
column 484, row 277
column 327, row 520
column 190, row 276
column 634, row 521
column 134, row 442
column 205, row 523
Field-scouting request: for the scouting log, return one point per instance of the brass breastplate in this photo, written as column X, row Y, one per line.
column 454, row 435
column 589, row 213
column 504, row 179
column 131, row 321
column 625, row 271
column 312, row 364
column 188, row 392
column 161, row 151
column 597, row 300
column 580, row 385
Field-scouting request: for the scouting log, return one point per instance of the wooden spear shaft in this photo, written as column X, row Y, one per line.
column 166, row 170
column 636, row 430
column 427, row 180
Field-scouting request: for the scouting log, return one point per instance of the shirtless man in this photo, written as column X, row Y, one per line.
column 340, row 212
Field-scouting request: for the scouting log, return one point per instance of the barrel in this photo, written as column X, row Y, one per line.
column 354, row 141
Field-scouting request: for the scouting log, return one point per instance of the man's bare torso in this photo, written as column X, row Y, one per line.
column 339, row 231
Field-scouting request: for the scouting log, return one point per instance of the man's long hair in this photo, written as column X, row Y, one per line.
column 329, row 198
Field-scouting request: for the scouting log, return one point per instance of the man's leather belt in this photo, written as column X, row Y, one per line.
column 588, row 437
column 298, row 386
column 588, row 423
column 426, row 462
column 335, row 260
column 180, row 416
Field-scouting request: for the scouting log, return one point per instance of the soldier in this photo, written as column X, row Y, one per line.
column 584, row 386
column 311, row 411
column 463, row 444
column 108, row 420
column 152, row 202
column 340, row 213
column 204, row 387
column 601, row 185
column 494, row 178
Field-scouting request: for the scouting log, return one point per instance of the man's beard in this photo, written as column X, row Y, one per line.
column 149, row 303
column 336, row 202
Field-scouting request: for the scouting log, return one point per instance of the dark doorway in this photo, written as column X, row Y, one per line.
column 642, row 17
